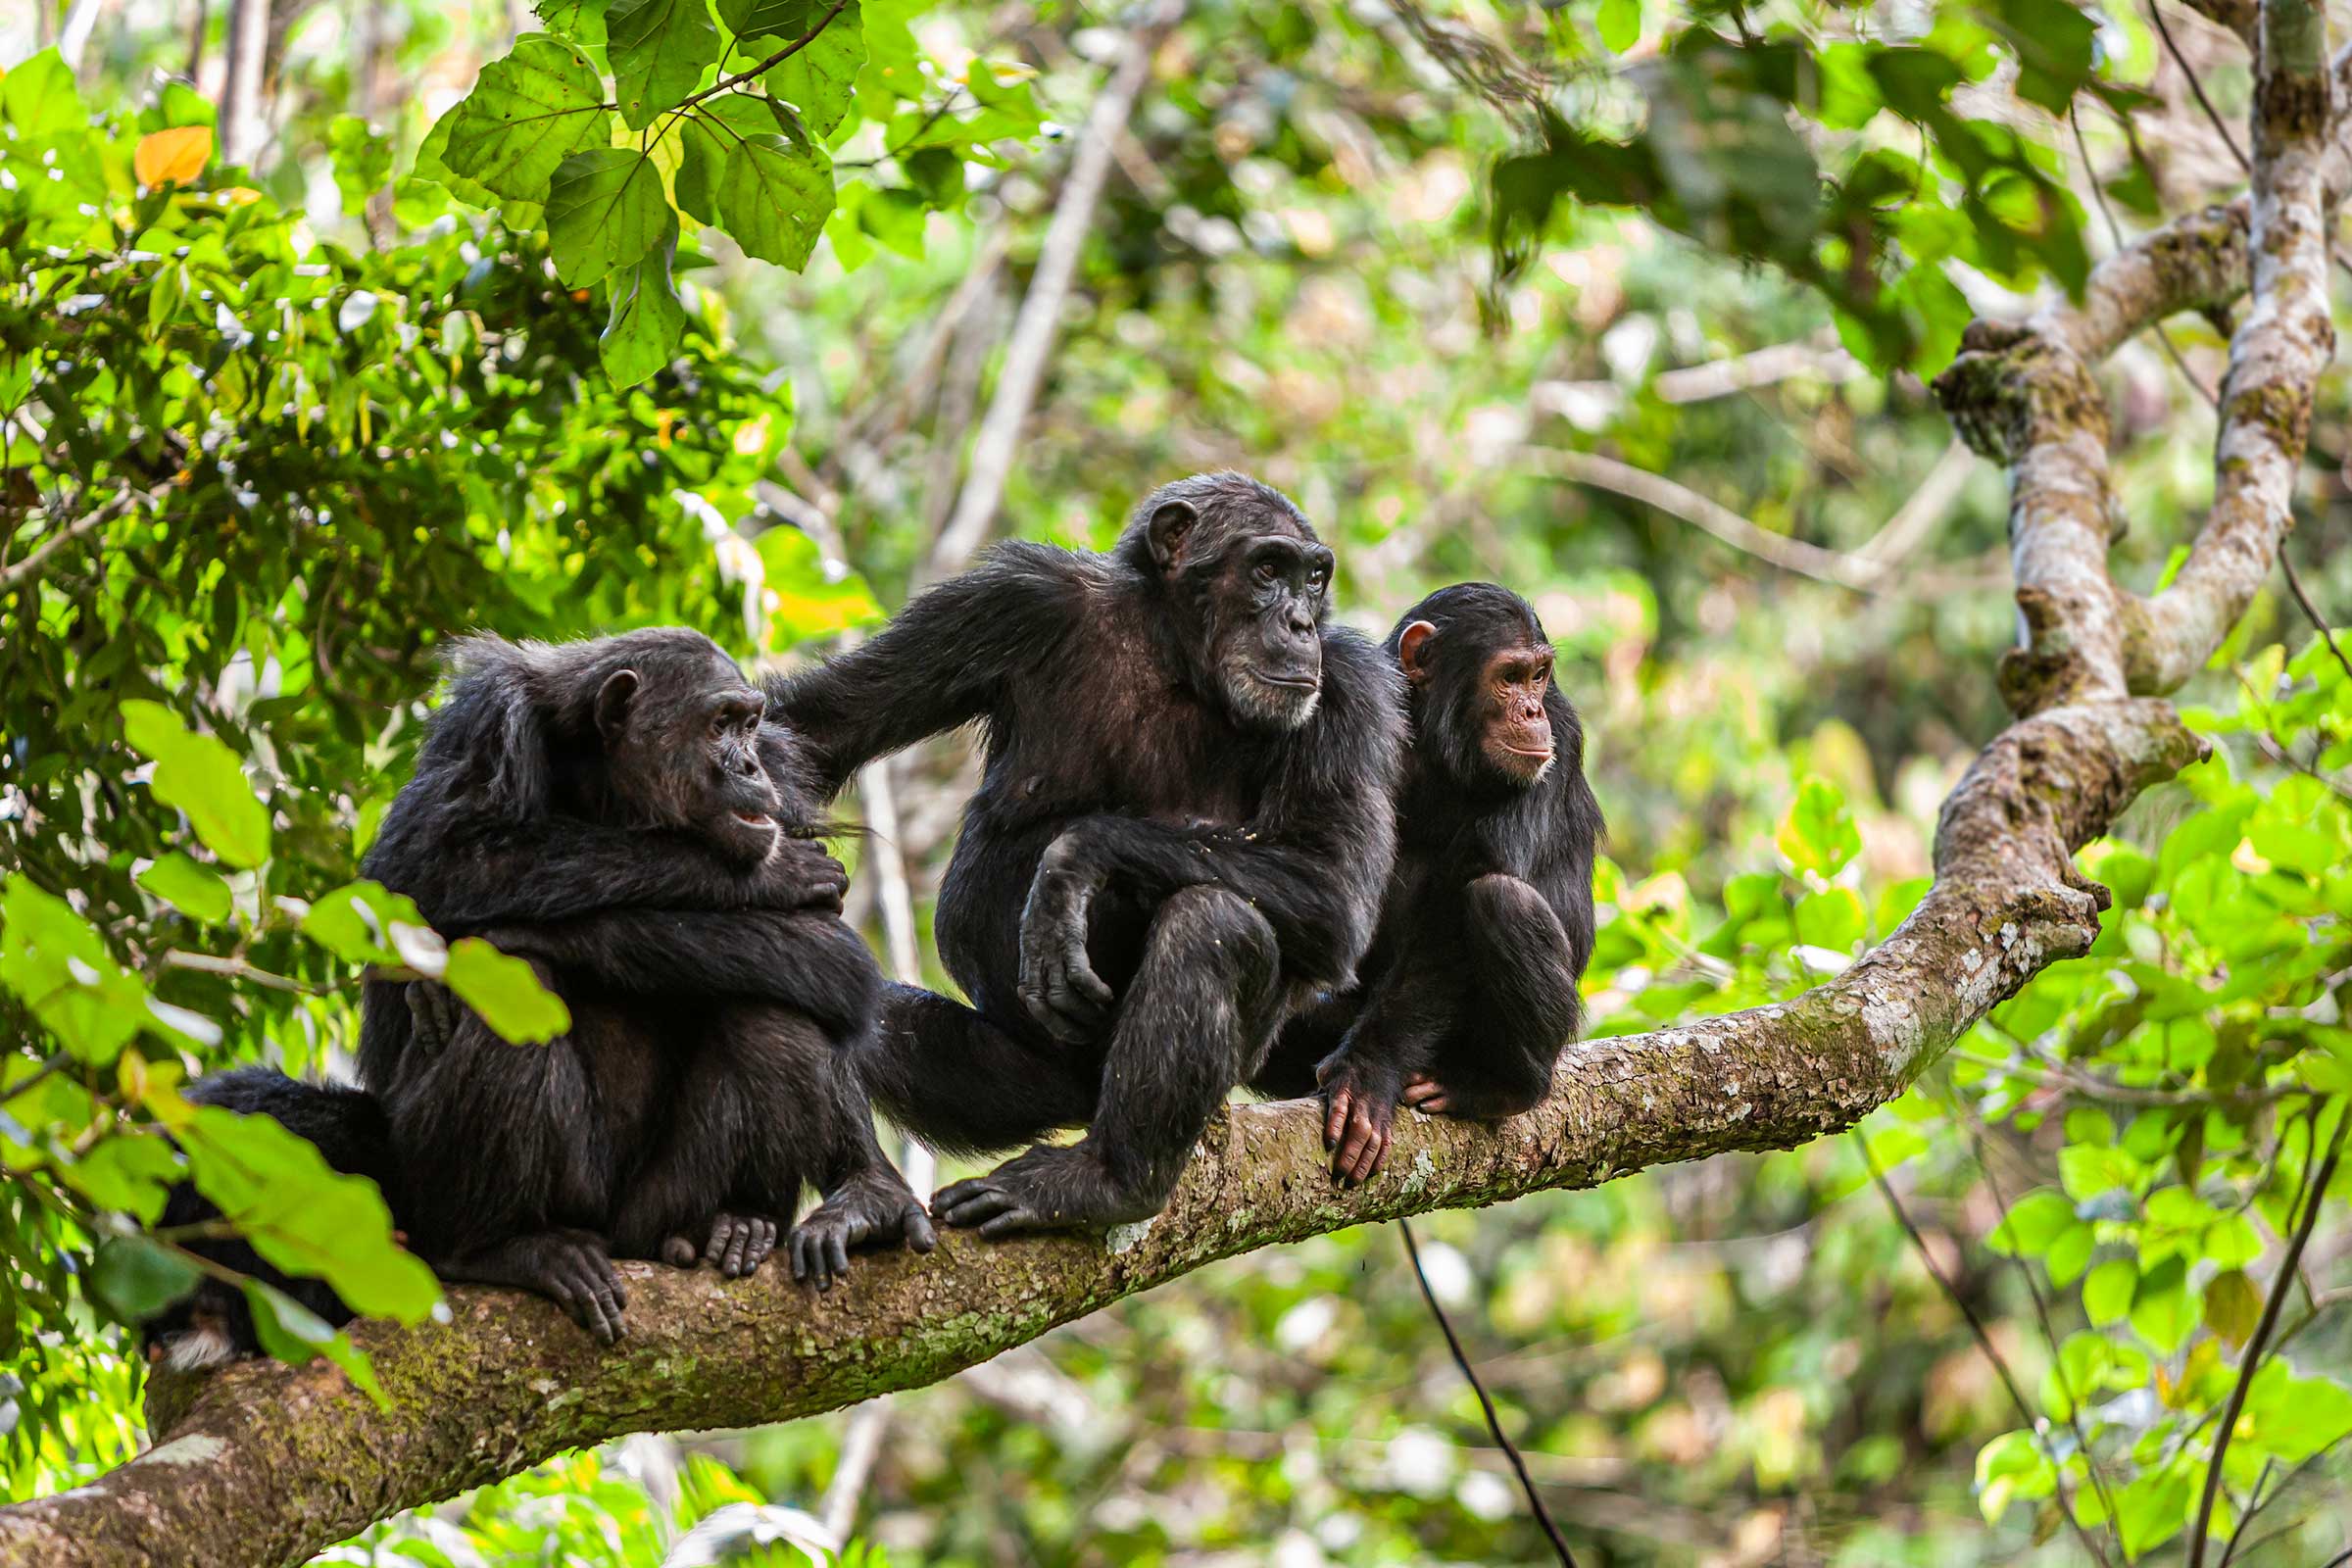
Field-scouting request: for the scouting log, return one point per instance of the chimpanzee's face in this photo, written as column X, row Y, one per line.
column 684, row 746
column 1267, row 602
column 1514, row 731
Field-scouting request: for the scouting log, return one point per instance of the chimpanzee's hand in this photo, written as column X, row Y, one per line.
column 857, row 1212
column 1359, row 1114
column 802, row 874
column 434, row 1012
column 1058, row 984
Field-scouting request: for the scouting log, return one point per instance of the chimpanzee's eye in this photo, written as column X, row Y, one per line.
column 1268, row 571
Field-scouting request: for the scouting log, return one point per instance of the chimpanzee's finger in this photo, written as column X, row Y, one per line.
column 739, row 1238
column 837, row 1249
column 679, row 1253
column 1011, row 1222
column 1334, row 1115
column 1369, row 1154
column 914, row 1224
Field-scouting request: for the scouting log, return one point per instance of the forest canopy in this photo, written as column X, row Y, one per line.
column 1917, row 426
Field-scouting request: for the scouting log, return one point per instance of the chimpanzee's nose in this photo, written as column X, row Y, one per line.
column 1301, row 621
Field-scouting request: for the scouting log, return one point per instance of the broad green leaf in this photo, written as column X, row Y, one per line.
column 2107, row 1291
column 810, row 602
column 2162, row 1312
column 528, row 113
column 293, row 1334
column 2151, row 1510
column 647, row 323
column 1818, row 833
column 774, row 196
column 818, row 78
column 659, row 49
column 506, row 993
column 363, row 922
column 770, row 18
column 1832, row 918
column 39, row 99
column 2033, row 1222
column 605, row 210
column 1620, row 25
column 192, row 889
column 127, row 1172
column 61, row 970
column 2233, row 1306
column 202, row 778
column 581, row 21
column 303, row 1215
column 2299, row 1416
column 136, row 1278
column 713, row 129
column 2070, row 1253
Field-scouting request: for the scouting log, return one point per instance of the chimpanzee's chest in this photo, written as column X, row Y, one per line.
column 1158, row 752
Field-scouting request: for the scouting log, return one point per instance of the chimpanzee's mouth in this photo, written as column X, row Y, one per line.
column 1520, row 750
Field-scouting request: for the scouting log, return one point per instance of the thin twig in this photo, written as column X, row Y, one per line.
column 2156, row 14
column 2294, row 585
column 2115, row 232
column 1976, row 1326
column 771, row 61
column 1509, row 1448
column 122, row 501
column 2251, row 1359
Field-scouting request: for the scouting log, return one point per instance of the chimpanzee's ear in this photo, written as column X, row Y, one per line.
column 1170, row 525
column 1410, row 644
column 612, row 700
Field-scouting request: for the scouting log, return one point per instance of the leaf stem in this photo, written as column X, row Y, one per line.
column 771, row 61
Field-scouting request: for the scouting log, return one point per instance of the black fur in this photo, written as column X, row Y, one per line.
column 585, row 807
column 213, row 1323
column 1182, row 829
column 1470, row 986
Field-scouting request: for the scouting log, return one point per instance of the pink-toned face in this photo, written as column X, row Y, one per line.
column 1514, row 732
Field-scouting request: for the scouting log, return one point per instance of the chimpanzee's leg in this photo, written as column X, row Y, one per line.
column 1190, row 1023
column 966, row 1086
column 512, row 1164
column 1520, row 1008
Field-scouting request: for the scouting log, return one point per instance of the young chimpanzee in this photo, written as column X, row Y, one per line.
column 1470, row 989
column 213, row 1323
column 1182, row 830
column 617, row 813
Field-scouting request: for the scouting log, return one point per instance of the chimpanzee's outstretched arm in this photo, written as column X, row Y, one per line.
column 807, row 961
column 470, row 874
column 941, row 662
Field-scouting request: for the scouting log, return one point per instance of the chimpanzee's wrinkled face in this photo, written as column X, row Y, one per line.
column 1272, row 592
column 683, row 738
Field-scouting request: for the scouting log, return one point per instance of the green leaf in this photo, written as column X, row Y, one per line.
column 2107, row 1291
column 61, row 970
column 810, row 602
column 529, row 111
column 715, row 127
column 769, row 19
column 1818, row 833
column 2151, row 1510
column 1619, row 22
column 659, row 49
column 127, row 1172
column 506, row 993
column 136, row 1278
column 2037, row 1220
column 2233, row 1306
column 1832, row 918
column 817, row 80
column 2070, row 1253
column 202, row 778
column 364, row 923
column 192, row 889
column 363, row 161
column 604, row 211
column 648, row 324
column 2162, row 1312
column 293, row 1334
column 2299, row 1417
column 39, row 99
column 581, row 21
column 302, row 1215
column 774, row 196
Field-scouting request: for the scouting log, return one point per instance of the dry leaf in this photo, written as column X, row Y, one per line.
column 174, row 157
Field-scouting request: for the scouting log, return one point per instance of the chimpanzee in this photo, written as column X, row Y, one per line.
column 1470, row 989
column 213, row 1323
column 1182, row 829
column 618, row 812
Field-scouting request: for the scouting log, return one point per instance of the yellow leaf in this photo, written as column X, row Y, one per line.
column 172, row 157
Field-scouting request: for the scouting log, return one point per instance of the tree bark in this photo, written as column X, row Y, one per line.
column 265, row 1463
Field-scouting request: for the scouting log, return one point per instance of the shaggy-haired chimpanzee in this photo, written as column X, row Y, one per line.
column 618, row 812
column 1181, row 831
column 1470, row 989
column 213, row 1323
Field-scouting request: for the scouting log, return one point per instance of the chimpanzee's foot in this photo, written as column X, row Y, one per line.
column 739, row 1244
column 1048, row 1188
column 862, row 1211
column 570, row 1268
column 1359, row 1114
column 1424, row 1093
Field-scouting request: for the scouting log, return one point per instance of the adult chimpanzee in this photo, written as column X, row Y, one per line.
column 213, row 1323
column 1470, row 988
column 1182, row 829
column 617, row 812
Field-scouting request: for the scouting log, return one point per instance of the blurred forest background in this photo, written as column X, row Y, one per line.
column 337, row 412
